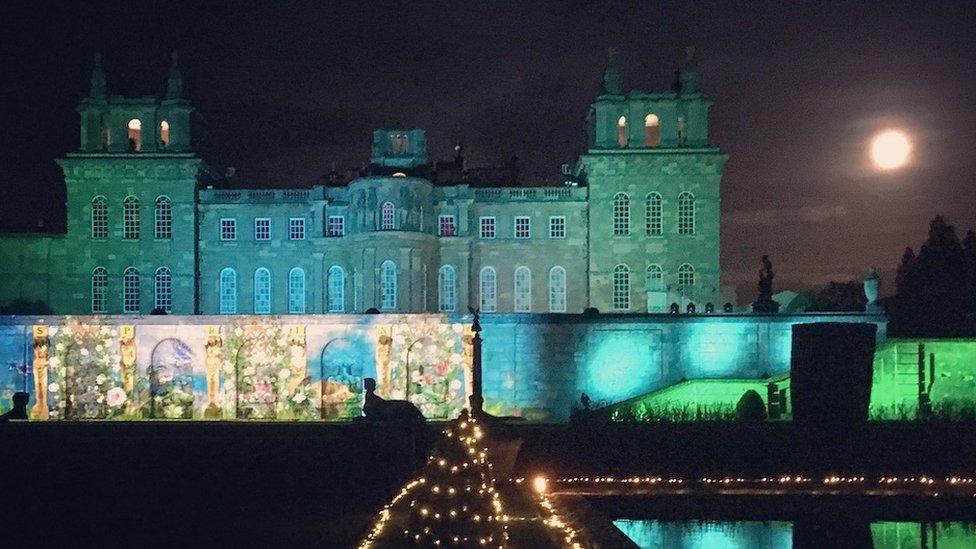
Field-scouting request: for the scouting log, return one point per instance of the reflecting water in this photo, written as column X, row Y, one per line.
column 654, row 534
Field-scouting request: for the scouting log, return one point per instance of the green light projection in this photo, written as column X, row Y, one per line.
column 894, row 392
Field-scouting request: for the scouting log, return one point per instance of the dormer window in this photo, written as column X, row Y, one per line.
column 399, row 143
column 622, row 132
column 652, row 130
column 164, row 135
column 135, row 135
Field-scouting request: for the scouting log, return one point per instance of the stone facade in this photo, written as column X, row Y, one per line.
column 635, row 228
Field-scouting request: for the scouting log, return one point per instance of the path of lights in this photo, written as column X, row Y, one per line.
column 469, row 433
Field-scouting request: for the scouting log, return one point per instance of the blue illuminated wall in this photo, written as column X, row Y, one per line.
column 312, row 367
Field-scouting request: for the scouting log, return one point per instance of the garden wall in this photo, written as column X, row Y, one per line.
column 311, row 367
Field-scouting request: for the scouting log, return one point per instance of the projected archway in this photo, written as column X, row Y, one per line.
column 342, row 364
column 171, row 380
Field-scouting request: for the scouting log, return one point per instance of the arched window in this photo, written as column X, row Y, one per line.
column 99, row 289
column 447, row 289
column 164, row 218
column 130, row 291
column 262, row 291
column 621, row 288
column 652, row 130
column 523, row 290
column 164, row 135
column 228, row 291
column 557, row 290
column 388, row 217
column 135, row 135
column 622, row 131
column 388, row 286
column 686, row 277
column 488, row 290
column 621, row 214
column 130, row 217
column 163, row 285
column 336, row 291
column 655, row 278
column 296, row 291
column 653, row 225
column 686, row 213
column 99, row 217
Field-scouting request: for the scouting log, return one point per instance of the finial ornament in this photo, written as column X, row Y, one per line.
column 611, row 76
column 174, row 89
column 99, row 87
column 689, row 71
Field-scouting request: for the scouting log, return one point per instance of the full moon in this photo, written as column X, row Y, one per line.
column 889, row 149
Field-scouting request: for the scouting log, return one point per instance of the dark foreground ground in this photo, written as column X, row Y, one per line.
column 318, row 485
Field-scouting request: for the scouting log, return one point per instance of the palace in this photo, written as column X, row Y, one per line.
column 635, row 228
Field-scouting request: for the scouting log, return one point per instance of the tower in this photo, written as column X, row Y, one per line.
column 131, row 188
column 654, row 198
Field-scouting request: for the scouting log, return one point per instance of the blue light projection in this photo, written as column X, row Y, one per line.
column 649, row 534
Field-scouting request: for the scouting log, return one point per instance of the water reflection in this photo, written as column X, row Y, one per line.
column 654, row 534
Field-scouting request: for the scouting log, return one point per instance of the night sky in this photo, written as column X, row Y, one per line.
column 283, row 90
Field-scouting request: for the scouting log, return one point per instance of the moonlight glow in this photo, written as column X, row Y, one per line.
column 889, row 149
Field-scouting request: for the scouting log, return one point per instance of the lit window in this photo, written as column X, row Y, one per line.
column 621, row 214
column 557, row 227
column 262, row 228
column 686, row 277
column 621, row 288
column 388, row 286
column 622, row 131
column 135, row 135
column 487, row 225
column 447, row 226
column 296, row 291
column 686, row 213
column 164, row 134
column 398, row 143
column 130, row 291
column 99, row 217
column 447, row 289
column 130, row 218
column 164, row 218
column 557, row 290
column 653, row 225
column 262, row 291
column 228, row 291
column 655, row 278
column 228, row 228
column 337, row 225
column 163, row 285
column 388, row 217
column 336, row 289
column 99, row 289
column 296, row 228
column 523, row 227
column 523, row 290
column 488, row 290
column 652, row 131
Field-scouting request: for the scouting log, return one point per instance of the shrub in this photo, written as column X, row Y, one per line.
column 751, row 408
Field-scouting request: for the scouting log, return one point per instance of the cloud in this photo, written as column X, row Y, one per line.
column 785, row 216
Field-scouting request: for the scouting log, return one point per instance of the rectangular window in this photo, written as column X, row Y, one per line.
column 557, row 227
column 262, row 228
column 487, row 225
column 447, row 226
column 337, row 225
column 523, row 226
column 296, row 228
column 228, row 229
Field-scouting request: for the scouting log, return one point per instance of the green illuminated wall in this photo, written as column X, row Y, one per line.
column 894, row 393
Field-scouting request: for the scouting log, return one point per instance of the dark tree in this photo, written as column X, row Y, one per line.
column 934, row 287
column 839, row 297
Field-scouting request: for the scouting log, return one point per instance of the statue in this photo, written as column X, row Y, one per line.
column 127, row 366
column 384, row 356
column 872, row 285
column 764, row 301
column 611, row 76
column 682, row 132
column 41, row 356
column 211, row 365
column 174, row 88
column 379, row 409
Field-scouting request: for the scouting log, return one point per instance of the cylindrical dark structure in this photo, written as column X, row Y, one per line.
column 830, row 373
